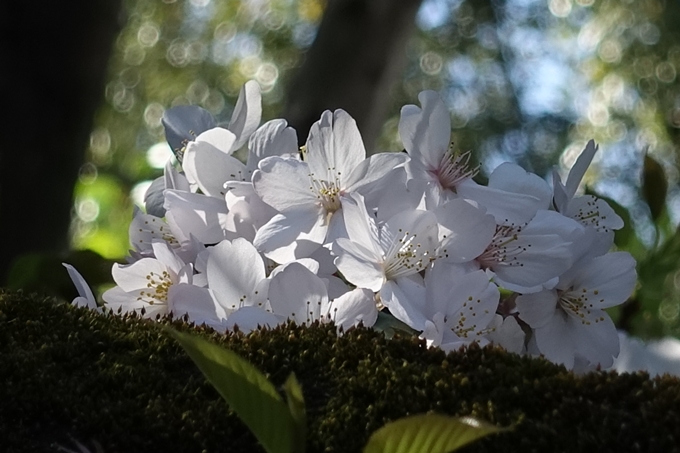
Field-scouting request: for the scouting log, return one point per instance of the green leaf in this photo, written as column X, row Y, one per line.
column 296, row 405
column 428, row 433
column 249, row 393
column 654, row 186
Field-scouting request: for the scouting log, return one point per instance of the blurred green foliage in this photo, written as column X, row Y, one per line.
column 526, row 81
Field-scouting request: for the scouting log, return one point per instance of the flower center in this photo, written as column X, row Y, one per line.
column 406, row 256
column 453, row 168
column 578, row 305
column 157, row 288
column 327, row 193
column 503, row 249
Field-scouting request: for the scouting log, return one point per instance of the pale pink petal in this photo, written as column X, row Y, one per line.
column 425, row 132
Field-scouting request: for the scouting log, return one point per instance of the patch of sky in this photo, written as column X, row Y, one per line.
column 435, row 13
column 461, row 70
column 197, row 15
column 242, row 45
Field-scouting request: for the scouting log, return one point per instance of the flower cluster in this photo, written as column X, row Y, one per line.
column 324, row 233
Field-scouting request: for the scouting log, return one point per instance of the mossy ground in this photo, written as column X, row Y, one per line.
column 70, row 374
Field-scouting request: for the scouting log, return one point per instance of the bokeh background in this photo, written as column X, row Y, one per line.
column 526, row 81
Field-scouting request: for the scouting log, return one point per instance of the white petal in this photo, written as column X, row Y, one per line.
column 425, row 132
column 298, row 294
column 399, row 304
column 597, row 342
column 579, row 169
column 165, row 255
column 514, row 179
column 284, row 184
column 360, row 227
column 134, row 276
column 174, row 179
column 593, row 212
column 81, row 285
column 607, row 280
column 353, row 307
column 334, row 146
column 560, row 197
column 370, row 174
column 195, row 214
column 555, row 342
column 247, row 113
column 507, row 208
column 537, row 309
column 508, row 334
column 250, row 318
column 273, row 138
column 360, row 266
column 464, row 230
column 198, row 304
column 210, row 168
column 234, row 270
column 285, row 239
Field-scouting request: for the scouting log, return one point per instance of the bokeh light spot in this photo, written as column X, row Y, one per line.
column 431, row 63
column 138, row 191
column 560, row 8
column 157, row 155
column 148, row 34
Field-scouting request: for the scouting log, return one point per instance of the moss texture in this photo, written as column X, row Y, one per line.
column 70, row 374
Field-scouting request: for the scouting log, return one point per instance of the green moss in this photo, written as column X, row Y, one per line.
column 68, row 373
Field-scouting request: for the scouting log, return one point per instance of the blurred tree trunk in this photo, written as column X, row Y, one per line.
column 358, row 53
column 55, row 56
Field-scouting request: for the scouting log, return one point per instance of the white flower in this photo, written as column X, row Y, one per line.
column 296, row 293
column 590, row 211
column 145, row 285
column 384, row 257
column 512, row 196
column 570, row 320
column 459, row 306
column 375, row 253
column 425, row 132
column 208, row 161
column 309, row 194
column 530, row 257
column 236, row 275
